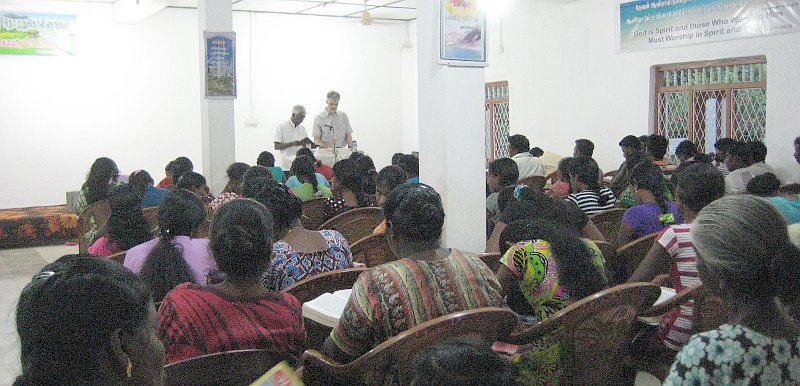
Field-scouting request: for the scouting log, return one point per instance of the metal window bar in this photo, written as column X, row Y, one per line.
column 497, row 120
column 704, row 101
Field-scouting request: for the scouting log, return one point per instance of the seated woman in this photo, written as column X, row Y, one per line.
column 88, row 321
column 299, row 253
column 348, row 190
column 700, row 184
column 652, row 211
column 180, row 166
column 389, row 178
column 142, row 182
column 233, row 189
column 550, row 267
column 175, row 257
column 255, row 180
column 195, row 320
column 303, row 171
column 428, row 281
column 768, row 185
column 502, row 172
column 562, row 189
column 102, row 177
column 126, row 228
column 368, row 173
column 195, row 183
column 529, row 203
column 587, row 194
column 324, row 172
column 745, row 257
column 267, row 160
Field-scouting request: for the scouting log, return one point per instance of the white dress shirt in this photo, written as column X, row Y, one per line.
column 326, row 123
column 736, row 181
column 529, row 166
column 288, row 132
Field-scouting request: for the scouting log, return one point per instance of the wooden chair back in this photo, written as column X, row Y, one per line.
column 355, row 224
column 119, row 257
column 608, row 222
column 710, row 311
column 239, row 368
column 313, row 213
column 630, row 255
column 90, row 221
column 593, row 334
column 151, row 216
column 491, row 259
column 535, row 182
column 381, row 365
column 610, row 255
column 372, row 250
column 312, row 287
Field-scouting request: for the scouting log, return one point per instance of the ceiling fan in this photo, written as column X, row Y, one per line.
column 366, row 18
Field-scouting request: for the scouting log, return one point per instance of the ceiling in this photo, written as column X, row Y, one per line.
column 398, row 10
column 401, row 10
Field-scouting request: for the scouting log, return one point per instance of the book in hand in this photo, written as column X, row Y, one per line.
column 666, row 294
column 327, row 308
column 280, row 375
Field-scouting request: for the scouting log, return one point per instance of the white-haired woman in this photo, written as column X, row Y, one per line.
column 746, row 257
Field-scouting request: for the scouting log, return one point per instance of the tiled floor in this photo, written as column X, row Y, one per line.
column 17, row 266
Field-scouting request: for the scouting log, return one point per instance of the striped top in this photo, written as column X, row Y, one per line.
column 195, row 320
column 589, row 201
column 391, row 298
column 676, row 325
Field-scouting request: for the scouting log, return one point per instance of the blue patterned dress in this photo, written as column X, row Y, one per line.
column 736, row 355
column 289, row 266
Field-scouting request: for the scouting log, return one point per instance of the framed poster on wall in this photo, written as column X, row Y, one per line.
column 220, row 65
column 462, row 33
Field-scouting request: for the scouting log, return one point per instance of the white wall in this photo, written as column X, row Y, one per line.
column 132, row 93
column 567, row 81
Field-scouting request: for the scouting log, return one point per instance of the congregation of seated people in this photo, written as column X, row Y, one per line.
column 216, row 273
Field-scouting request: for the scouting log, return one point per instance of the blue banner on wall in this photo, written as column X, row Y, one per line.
column 655, row 24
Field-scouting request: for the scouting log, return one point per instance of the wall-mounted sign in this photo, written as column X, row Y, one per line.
column 462, row 33
column 37, row 34
column 220, row 65
column 653, row 24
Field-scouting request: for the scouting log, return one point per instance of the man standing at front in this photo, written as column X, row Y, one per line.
column 331, row 126
column 291, row 136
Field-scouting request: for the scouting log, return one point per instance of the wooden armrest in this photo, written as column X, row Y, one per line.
column 522, row 335
column 661, row 280
column 679, row 298
column 315, row 359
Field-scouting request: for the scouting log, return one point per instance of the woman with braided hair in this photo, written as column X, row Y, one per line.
column 588, row 195
column 427, row 282
column 652, row 212
column 239, row 313
column 176, row 256
column 299, row 253
column 309, row 187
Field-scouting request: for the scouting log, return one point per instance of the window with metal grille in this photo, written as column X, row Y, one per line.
column 496, row 120
column 705, row 101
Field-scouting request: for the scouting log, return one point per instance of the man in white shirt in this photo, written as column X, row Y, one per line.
column 745, row 161
column 331, row 126
column 291, row 136
column 529, row 166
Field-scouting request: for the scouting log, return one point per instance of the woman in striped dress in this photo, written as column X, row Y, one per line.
column 589, row 196
column 239, row 313
column 428, row 281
